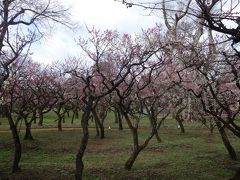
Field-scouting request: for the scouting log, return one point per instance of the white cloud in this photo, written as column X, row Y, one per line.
column 103, row 14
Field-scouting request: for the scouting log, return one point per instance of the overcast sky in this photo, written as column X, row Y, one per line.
column 103, row 14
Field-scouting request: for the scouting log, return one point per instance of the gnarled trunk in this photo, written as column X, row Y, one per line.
column 97, row 129
column 59, row 117
column 131, row 159
column 84, row 141
column 236, row 176
column 211, row 127
column 136, row 150
column 28, row 133
column 59, row 123
column 40, row 113
column 99, row 124
column 16, row 139
column 180, row 122
column 153, row 121
column 226, row 141
column 120, row 125
column 102, row 131
column 74, row 115
column 136, row 147
column 179, row 118
column 18, row 150
column 116, row 116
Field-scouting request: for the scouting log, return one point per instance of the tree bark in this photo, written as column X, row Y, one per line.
column 179, row 118
column 28, row 133
column 157, row 136
column 153, row 122
column 99, row 123
column 97, row 129
column 120, row 126
column 68, row 113
column 16, row 139
column 102, row 131
column 236, row 176
column 116, row 116
column 60, row 117
column 136, row 150
column 136, row 147
column 84, row 141
column 189, row 109
column 226, row 141
column 76, row 113
column 40, row 113
column 180, row 122
column 211, row 127
column 131, row 159
column 59, row 122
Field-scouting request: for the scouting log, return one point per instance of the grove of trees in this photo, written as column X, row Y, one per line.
column 187, row 67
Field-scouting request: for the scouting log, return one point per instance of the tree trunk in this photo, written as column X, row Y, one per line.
column 73, row 117
column 40, row 122
column 28, row 133
column 97, row 129
column 59, row 122
column 236, row 176
column 18, row 150
column 16, row 139
column 60, row 117
column 100, row 124
column 152, row 116
column 136, row 150
column 102, row 132
column 226, row 141
column 34, row 116
column 76, row 113
column 120, row 126
column 136, row 147
column 68, row 114
column 180, row 122
column 131, row 160
column 116, row 117
column 63, row 115
column 180, row 119
column 80, row 154
column 211, row 127
column 84, row 141
column 153, row 121
column 189, row 109
column 157, row 136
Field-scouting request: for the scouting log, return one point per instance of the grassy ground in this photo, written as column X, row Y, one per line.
column 194, row 155
column 50, row 122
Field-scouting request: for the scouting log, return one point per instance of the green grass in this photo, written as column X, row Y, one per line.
column 194, row 155
column 50, row 122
